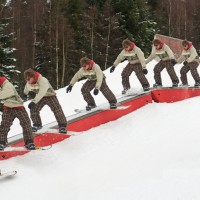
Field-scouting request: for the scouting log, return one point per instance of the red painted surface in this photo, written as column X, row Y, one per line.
column 40, row 140
column 109, row 115
column 174, row 95
column 82, row 125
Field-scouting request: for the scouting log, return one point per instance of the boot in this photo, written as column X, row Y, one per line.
column 35, row 128
column 2, row 147
column 197, row 84
column 146, row 88
column 157, row 85
column 113, row 105
column 90, row 106
column 175, row 84
column 124, row 91
column 29, row 144
column 184, row 85
column 62, row 130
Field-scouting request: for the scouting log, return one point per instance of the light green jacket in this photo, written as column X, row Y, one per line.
column 165, row 53
column 42, row 88
column 134, row 56
column 94, row 74
column 9, row 95
column 189, row 55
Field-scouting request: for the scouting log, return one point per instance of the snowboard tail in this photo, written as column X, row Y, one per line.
column 7, row 174
column 25, row 149
column 98, row 108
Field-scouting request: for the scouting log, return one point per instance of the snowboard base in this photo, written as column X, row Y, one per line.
column 8, row 174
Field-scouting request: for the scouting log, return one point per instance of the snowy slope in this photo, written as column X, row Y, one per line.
column 152, row 153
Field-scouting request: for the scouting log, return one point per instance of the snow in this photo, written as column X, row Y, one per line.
column 152, row 153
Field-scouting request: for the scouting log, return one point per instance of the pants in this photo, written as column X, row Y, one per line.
column 139, row 73
column 170, row 69
column 8, row 116
column 90, row 84
column 53, row 103
column 190, row 67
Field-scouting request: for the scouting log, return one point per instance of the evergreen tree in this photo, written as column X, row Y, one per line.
column 136, row 22
column 7, row 63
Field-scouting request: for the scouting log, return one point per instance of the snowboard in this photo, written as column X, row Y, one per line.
column 54, row 130
column 101, row 108
column 133, row 94
column 7, row 174
column 10, row 148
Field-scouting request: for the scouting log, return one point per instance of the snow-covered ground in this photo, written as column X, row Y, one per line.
column 150, row 154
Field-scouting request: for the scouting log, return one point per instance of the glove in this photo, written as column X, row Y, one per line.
column 1, row 107
column 32, row 94
column 173, row 61
column 145, row 71
column 185, row 63
column 112, row 69
column 31, row 105
column 96, row 91
column 69, row 89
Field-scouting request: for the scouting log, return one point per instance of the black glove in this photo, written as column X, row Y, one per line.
column 69, row 88
column 31, row 105
column 173, row 61
column 96, row 91
column 185, row 63
column 32, row 94
column 145, row 71
column 1, row 107
column 112, row 69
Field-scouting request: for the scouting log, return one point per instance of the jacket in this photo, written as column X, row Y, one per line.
column 9, row 95
column 165, row 53
column 134, row 56
column 41, row 87
column 189, row 55
column 94, row 74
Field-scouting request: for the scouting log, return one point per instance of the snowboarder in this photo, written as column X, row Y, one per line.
column 191, row 62
column 167, row 60
column 136, row 63
column 13, row 108
column 96, row 80
column 44, row 95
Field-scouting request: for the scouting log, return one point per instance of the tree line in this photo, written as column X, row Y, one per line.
column 51, row 36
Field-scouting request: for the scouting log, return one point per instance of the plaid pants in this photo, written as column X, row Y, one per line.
column 190, row 67
column 53, row 103
column 170, row 69
column 90, row 84
column 8, row 116
column 139, row 73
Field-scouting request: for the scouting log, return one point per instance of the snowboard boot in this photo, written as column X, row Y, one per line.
column 90, row 106
column 157, row 85
column 124, row 91
column 35, row 128
column 197, row 84
column 146, row 88
column 175, row 84
column 2, row 145
column 184, row 85
column 29, row 144
column 113, row 105
column 62, row 130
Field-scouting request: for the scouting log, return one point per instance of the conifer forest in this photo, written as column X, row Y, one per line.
column 51, row 36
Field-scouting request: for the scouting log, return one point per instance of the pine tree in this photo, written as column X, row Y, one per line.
column 7, row 63
column 136, row 22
